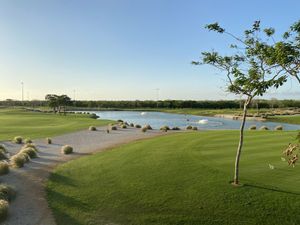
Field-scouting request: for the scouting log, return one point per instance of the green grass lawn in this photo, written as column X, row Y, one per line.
column 180, row 179
column 15, row 122
column 295, row 119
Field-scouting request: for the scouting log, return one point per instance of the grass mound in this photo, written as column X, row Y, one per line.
column 114, row 128
column 92, row 128
column 7, row 193
column 253, row 127
column 264, row 128
column 123, row 126
column 49, row 141
column 3, row 148
column 27, row 141
column 31, row 152
column 19, row 160
column 278, row 127
column 18, row 140
column 3, row 210
column 165, row 128
column 148, row 127
column 4, row 168
column 178, row 179
column 67, row 149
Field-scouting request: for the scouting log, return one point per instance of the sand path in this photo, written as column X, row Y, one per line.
column 30, row 206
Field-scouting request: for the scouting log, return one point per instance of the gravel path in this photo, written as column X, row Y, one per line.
column 30, row 206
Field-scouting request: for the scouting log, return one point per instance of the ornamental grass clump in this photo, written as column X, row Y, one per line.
column 3, row 148
column 253, row 127
column 7, row 193
column 263, row 128
column 3, row 210
column 49, row 141
column 31, row 152
column 18, row 140
column 148, row 127
column 131, row 125
column 278, row 127
column 92, row 128
column 189, row 127
column 67, row 149
column 144, row 129
column 165, row 128
column 27, row 141
column 4, row 168
column 30, row 146
column 114, row 128
column 18, row 160
column 138, row 126
column 123, row 126
column 3, row 154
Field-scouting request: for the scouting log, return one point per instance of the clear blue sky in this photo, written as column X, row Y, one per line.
column 125, row 49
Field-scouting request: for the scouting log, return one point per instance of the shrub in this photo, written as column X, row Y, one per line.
column 67, row 149
column 114, row 128
column 253, row 127
column 3, row 209
column 3, row 148
column 137, row 126
column 18, row 160
column 4, row 168
column 92, row 128
column 144, row 129
column 120, row 121
column 18, row 140
column 131, row 124
column 165, row 128
column 93, row 116
column 175, row 128
column 194, row 128
column 189, row 127
column 278, row 127
column 25, row 157
column 7, row 193
column 124, row 126
column 31, row 152
column 148, row 127
column 30, row 146
column 3, row 155
column 27, row 141
column 49, row 141
column 264, row 128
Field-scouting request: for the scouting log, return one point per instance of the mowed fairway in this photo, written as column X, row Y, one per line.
column 15, row 122
column 180, row 179
column 294, row 119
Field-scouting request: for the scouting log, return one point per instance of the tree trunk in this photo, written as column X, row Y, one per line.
column 240, row 146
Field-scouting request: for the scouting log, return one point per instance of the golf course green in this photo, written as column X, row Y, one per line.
column 180, row 179
column 18, row 122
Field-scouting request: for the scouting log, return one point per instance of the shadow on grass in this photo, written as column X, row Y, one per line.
column 270, row 189
column 57, row 178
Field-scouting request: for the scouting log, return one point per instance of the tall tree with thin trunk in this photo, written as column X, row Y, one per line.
column 247, row 71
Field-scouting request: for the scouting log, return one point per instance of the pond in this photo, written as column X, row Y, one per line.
column 158, row 119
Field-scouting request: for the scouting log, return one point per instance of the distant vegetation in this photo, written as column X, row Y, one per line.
column 166, row 104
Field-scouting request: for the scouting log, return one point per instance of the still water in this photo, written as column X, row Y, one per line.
column 158, row 119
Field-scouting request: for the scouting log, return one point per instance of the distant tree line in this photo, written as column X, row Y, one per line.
column 167, row 104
